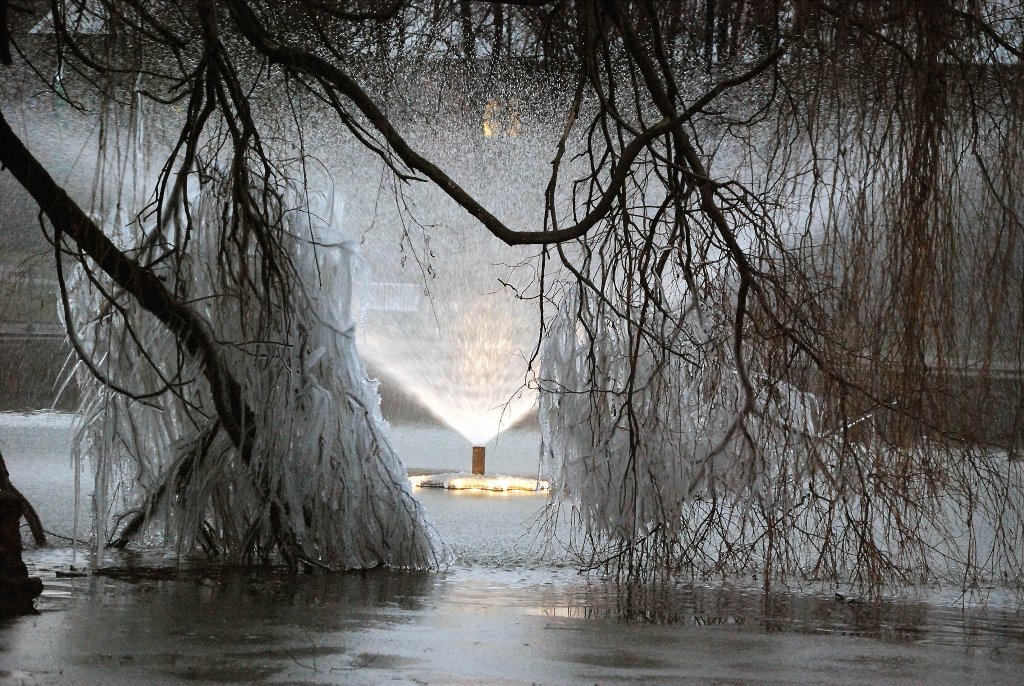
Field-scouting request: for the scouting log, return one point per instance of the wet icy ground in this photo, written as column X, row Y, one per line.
column 506, row 611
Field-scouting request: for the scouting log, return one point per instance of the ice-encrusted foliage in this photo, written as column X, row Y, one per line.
column 666, row 463
column 680, row 427
column 634, row 433
column 321, row 484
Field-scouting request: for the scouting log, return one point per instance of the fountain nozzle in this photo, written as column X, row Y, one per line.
column 478, row 459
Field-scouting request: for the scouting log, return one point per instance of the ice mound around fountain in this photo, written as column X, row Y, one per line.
column 478, row 479
column 466, row 481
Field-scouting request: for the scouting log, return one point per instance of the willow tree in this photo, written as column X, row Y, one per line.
column 779, row 273
column 792, row 346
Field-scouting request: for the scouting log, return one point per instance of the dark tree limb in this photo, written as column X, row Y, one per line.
column 35, row 524
column 5, row 35
column 308, row 63
column 190, row 330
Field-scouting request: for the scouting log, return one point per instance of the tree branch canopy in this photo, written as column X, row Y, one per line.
column 779, row 257
column 67, row 218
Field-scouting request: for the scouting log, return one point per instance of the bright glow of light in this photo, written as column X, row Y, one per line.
column 501, row 118
column 465, row 365
column 461, row 481
column 450, row 321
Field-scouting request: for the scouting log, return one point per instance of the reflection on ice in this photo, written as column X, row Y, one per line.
column 522, row 607
column 476, row 624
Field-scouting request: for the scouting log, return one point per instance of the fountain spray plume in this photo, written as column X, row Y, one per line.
column 446, row 313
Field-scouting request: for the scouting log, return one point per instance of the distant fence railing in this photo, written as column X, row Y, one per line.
column 24, row 330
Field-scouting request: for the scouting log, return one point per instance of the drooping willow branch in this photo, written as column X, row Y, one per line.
column 192, row 333
column 142, row 284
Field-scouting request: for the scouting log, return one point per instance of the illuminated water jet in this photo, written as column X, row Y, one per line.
column 448, row 314
column 460, row 348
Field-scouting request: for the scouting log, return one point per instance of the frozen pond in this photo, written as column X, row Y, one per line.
column 506, row 611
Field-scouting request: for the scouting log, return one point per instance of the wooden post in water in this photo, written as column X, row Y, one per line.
column 478, row 459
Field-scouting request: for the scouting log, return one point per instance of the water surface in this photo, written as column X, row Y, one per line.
column 508, row 610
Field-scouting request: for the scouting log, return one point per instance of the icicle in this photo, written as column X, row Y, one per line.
column 630, row 480
column 322, row 480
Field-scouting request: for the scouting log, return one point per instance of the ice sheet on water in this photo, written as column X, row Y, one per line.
column 41, row 420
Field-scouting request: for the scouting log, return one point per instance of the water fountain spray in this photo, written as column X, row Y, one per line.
column 446, row 320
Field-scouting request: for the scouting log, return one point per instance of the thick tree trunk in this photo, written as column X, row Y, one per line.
column 35, row 524
column 17, row 589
